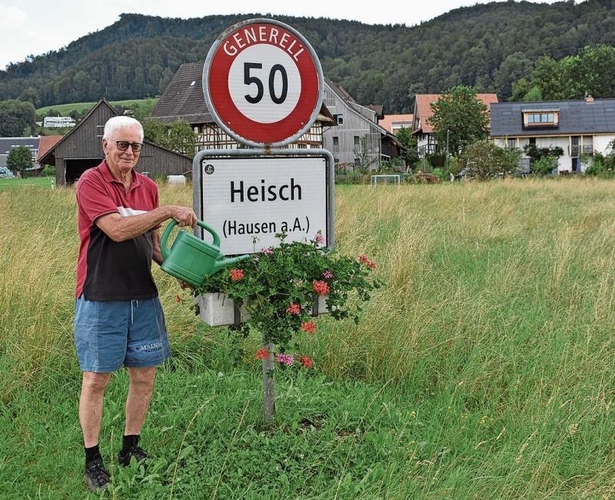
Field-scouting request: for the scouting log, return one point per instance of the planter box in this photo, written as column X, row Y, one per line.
column 216, row 309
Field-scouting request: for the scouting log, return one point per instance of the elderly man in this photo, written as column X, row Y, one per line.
column 119, row 321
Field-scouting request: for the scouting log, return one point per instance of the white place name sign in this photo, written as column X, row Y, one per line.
column 249, row 200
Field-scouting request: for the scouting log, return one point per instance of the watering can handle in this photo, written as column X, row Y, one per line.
column 165, row 236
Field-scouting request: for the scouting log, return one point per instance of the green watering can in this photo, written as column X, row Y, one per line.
column 190, row 258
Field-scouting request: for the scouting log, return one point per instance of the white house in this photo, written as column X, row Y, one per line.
column 580, row 128
column 58, row 122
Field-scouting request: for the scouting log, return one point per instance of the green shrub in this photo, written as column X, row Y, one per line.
column 48, row 171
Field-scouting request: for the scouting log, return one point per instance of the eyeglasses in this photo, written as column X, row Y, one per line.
column 135, row 146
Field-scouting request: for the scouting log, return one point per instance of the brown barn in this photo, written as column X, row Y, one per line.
column 81, row 149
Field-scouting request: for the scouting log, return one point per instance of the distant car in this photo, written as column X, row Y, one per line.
column 5, row 172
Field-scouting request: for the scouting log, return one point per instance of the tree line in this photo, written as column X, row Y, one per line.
column 572, row 77
column 490, row 47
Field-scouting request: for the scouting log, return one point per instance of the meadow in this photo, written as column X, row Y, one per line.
column 482, row 369
column 31, row 182
column 83, row 107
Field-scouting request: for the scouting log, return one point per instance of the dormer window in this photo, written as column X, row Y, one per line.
column 541, row 118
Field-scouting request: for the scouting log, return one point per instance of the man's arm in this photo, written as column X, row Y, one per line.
column 120, row 228
column 156, row 244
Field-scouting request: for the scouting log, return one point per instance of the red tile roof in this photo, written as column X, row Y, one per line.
column 47, row 142
column 393, row 122
column 422, row 107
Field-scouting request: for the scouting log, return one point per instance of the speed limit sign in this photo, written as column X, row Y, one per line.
column 263, row 83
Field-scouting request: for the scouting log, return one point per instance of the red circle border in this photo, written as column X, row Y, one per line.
column 246, row 128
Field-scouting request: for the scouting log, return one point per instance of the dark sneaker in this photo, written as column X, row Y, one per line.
column 96, row 477
column 138, row 453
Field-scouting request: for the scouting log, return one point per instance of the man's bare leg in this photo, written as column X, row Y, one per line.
column 93, row 387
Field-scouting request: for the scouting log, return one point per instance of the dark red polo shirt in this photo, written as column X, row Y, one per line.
column 108, row 270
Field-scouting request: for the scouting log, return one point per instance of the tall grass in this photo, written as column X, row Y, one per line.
column 482, row 369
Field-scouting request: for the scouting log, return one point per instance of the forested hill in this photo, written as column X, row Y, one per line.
column 486, row 46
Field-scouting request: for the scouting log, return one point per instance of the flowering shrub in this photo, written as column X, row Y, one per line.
column 279, row 287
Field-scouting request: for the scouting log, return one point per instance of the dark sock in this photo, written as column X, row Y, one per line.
column 91, row 454
column 131, row 440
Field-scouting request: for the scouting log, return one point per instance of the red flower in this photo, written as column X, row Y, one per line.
column 308, row 327
column 236, row 274
column 369, row 263
column 321, row 287
column 262, row 353
column 293, row 309
column 306, row 361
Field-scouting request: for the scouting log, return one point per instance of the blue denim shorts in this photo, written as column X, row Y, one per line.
column 112, row 334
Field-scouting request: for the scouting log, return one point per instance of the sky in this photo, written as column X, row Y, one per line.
column 35, row 27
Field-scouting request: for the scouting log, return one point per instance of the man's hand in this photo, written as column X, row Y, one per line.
column 184, row 216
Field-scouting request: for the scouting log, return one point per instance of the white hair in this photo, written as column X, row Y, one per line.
column 121, row 122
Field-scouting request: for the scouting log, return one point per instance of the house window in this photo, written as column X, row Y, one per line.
column 541, row 118
column 357, row 141
column 588, row 144
column 336, row 144
column 512, row 143
column 339, row 119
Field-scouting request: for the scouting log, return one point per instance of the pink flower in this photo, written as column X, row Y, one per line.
column 320, row 287
column 293, row 309
column 306, row 361
column 262, row 353
column 319, row 238
column 328, row 275
column 267, row 251
column 308, row 327
column 236, row 274
column 285, row 359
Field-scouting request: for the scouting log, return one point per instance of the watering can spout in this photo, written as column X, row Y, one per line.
column 220, row 264
column 190, row 258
